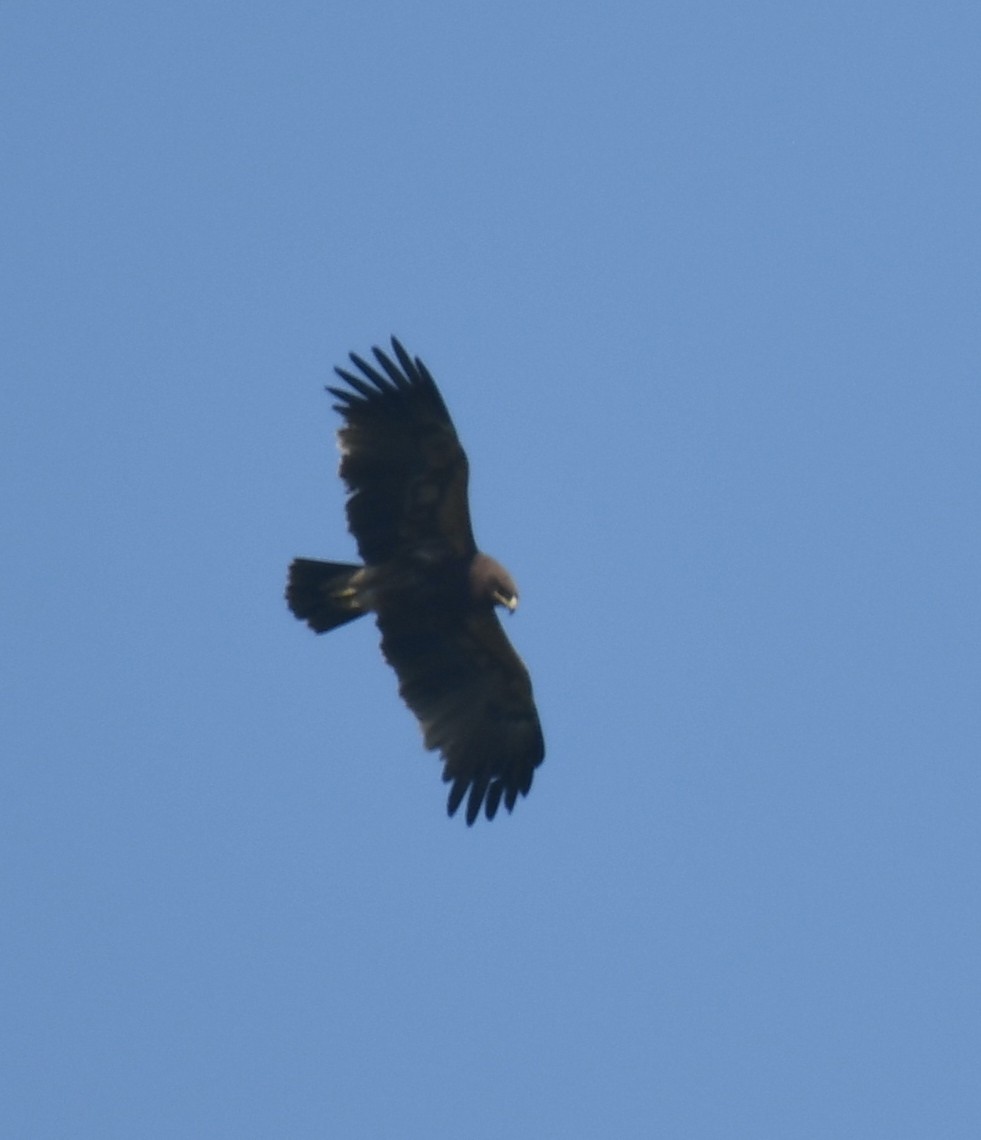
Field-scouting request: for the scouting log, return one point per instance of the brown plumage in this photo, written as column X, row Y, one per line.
column 432, row 592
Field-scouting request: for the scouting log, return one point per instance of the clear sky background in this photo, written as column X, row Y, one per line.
column 701, row 283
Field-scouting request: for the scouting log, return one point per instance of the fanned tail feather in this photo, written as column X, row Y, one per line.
column 322, row 593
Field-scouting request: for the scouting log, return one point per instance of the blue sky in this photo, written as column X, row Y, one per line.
column 700, row 284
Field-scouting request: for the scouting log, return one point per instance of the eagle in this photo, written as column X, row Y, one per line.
column 433, row 593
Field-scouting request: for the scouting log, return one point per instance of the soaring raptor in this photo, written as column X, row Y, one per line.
column 433, row 593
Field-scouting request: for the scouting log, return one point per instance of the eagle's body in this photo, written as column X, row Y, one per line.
column 432, row 591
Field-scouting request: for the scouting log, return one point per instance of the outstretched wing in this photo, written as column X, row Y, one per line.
column 472, row 695
column 404, row 467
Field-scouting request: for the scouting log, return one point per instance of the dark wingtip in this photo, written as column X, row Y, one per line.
column 479, row 793
column 494, row 793
column 405, row 377
column 382, row 377
column 412, row 367
column 475, row 800
column 455, row 798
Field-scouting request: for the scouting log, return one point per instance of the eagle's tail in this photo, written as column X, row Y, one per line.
column 323, row 593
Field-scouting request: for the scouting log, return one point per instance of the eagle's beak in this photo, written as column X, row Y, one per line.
column 509, row 601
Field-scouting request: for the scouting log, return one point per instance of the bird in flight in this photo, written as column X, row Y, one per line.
column 433, row 593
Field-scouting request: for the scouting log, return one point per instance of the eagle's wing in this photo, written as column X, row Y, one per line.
column 472, row 695
column 403, row 464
